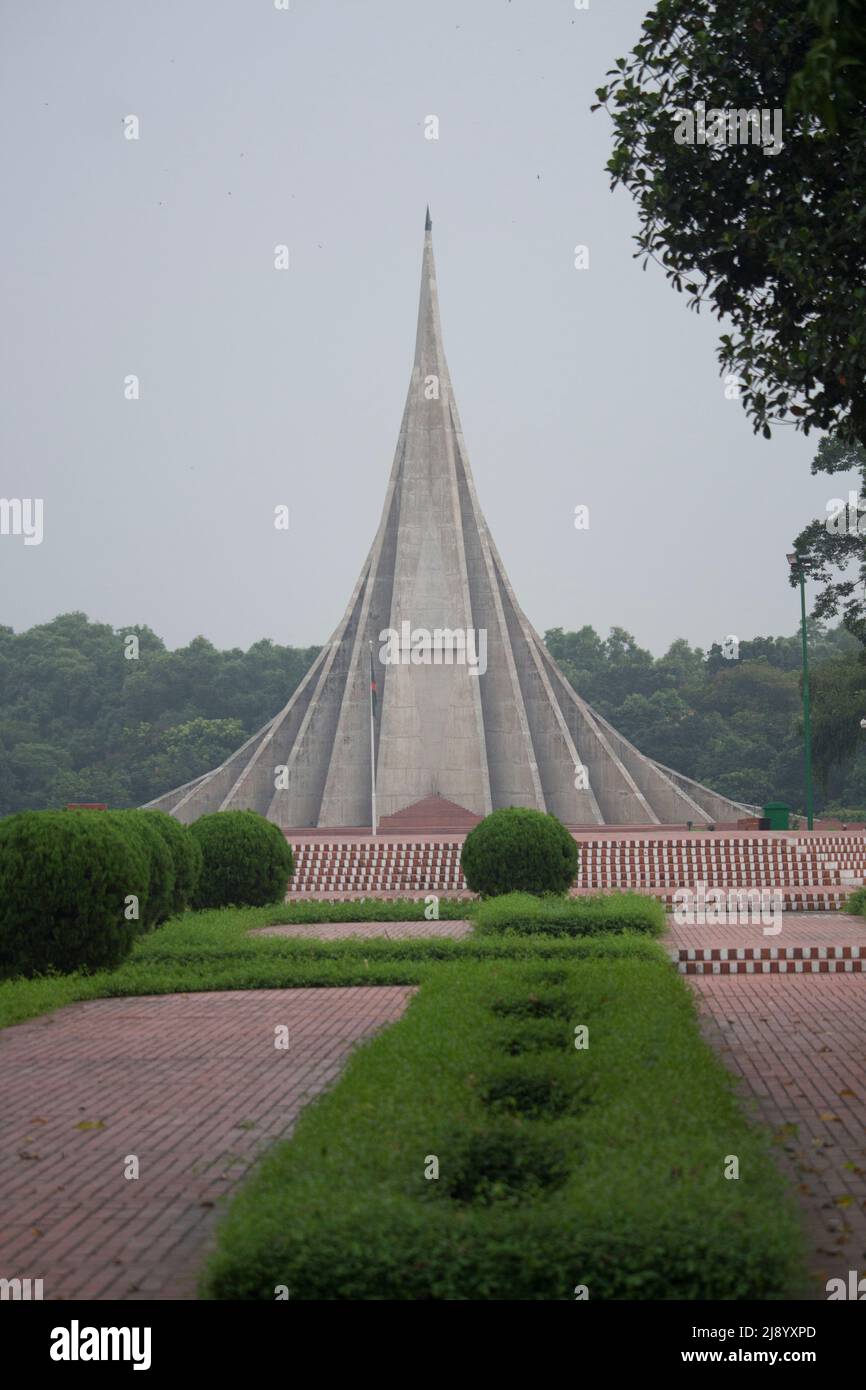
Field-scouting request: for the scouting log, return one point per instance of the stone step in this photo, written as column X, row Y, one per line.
column 829, row 966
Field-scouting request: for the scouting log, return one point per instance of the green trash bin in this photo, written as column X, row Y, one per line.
column 778, row 814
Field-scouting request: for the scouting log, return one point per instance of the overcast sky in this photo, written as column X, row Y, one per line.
column 260, row 387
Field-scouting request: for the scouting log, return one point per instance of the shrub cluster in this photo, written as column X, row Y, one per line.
column 145, row 841
column 526, row 915
column 855, row 902
column 519, row 1165
column 66, row 880
column 246, row 860
column 76, row 887
column 519, row 850
column 186, row 856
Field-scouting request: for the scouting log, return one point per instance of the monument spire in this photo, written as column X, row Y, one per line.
column 469, row 704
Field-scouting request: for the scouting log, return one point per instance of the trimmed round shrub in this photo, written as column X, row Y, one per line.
column 519, row 850
column 246, row 860
column 65, row 877
column 186, row 855
column 158, row 903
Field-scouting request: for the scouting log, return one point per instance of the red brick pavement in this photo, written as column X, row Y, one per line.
column 340, row 931
column 799, row 1044
column 193, row 1085
column 798, row 929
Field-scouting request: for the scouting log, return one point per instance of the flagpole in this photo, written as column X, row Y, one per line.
column 372, row 746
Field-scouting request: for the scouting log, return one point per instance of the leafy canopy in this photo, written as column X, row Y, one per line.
column 775, row 244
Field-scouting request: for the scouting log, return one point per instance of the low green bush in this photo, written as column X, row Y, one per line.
column 517, row 849
column 139, row 829
column 608, row 912
column 561, row 1166
column 186, row 856
column 246, row 860
column 65, row 882
column 855, row 902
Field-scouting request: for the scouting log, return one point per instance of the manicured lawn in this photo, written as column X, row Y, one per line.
column 558, row 1166
column 213, row 950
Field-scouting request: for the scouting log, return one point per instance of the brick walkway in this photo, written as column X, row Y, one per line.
column 798, row 929
column 395, row 931
column 193, row 1086
column 799, row 1043
column 808, row 943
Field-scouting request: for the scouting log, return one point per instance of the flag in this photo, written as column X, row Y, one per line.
column 374, row 689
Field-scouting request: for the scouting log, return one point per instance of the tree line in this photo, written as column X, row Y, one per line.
column 81, row 721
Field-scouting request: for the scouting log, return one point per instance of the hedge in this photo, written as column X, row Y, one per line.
column 855, row 903
column 186, row 855
column 559, row 1167
column 517, row 849
column 158, row 901
column 65, row 881
column 608, row 912
column 246, row 860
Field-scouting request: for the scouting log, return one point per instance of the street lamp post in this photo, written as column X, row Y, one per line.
column 807, row 722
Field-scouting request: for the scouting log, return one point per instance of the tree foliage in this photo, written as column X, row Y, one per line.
column 775, row 244
column 81, row 722
column 832, row 80
column 732, row 722
column 831, row 550
column 136, row 729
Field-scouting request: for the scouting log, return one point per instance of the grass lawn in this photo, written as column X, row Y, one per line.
column 213, row 950
column 558, row 1167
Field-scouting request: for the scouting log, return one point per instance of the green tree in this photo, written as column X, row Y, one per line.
column 772, row 243
column 832, row 81
column 832, row 550
column 188, row 750
column 86, row 717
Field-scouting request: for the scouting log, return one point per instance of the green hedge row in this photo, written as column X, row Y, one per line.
column 602, row 914
column 77, row 887
column 558, row 1167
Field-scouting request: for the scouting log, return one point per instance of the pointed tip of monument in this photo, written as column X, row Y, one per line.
column 428, row 225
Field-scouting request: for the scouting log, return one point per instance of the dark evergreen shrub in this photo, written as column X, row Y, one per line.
column 158, row 902
column 186, row 854
column 246, row 860
column 65, row 878
column 519, row 850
